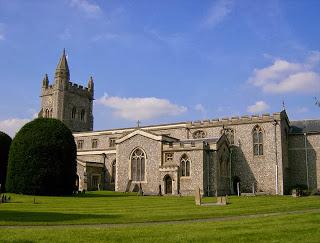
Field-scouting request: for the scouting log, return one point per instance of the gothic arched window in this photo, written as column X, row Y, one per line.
column 138, row 159
column 184, row 166
column 51, row 111
column 82, row 114
column 229, row 132
column 113, row 171
column 257, row 136
column 74, row 112
column 199, row 134
column 47, row 113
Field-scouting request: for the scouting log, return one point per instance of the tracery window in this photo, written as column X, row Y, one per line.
column 47, row 113
column 229, row 132
column 199, row 134
column 184, row 166
column 82, row 114
column 73, row 113
column 257, row 135
column 113, row 171
column 138, row 159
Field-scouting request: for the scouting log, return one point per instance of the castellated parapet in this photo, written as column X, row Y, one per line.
column 236, row 120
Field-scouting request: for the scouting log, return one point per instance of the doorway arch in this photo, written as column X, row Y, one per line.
column 167, row 184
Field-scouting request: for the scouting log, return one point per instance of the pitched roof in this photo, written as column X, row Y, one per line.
column 305, row 126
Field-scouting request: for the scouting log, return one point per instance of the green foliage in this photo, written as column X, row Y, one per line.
column 42, row 159
column 5, row 142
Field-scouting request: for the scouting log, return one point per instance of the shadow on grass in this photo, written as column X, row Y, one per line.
column 21, row 216
column 93, row 194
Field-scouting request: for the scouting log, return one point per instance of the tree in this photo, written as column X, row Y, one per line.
column 5, row 142
column 42, row 159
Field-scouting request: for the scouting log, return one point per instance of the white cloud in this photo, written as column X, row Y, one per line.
column 258, row 107
column 284, row 76
column 89, row 8
column 2, row 31
column 302, row 109
column 65, row 35
column 12, row 126
column 200, row 108
column 105, row 37
column 218, row 12
column 141, row 108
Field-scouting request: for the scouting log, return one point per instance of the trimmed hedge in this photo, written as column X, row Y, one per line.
column 42, row 159
column 5, row 142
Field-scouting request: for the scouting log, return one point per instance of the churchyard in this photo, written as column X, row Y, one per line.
column 112, row 216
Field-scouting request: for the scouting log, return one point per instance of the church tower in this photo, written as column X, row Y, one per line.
column 69, row 102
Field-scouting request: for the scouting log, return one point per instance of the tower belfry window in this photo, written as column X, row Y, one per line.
column 74, row 112
column 83, row 112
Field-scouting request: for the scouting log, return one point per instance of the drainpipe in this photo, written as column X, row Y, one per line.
column 230, row 161
column 306, row 156
column 276, row 151
column 208, row 161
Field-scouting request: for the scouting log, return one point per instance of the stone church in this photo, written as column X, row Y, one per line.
column 267, row 153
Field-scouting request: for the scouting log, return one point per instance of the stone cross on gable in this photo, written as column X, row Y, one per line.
column 138, row 123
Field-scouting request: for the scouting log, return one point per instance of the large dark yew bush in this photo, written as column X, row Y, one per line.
column 42, row 159
column 5, row 142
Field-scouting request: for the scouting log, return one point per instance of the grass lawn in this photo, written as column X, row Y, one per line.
column 290, row 228
column 113, row 208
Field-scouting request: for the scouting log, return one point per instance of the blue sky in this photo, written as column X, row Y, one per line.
column 163, row 61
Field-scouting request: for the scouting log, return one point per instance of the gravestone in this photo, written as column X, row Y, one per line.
column 197, row 196
column 295, row 193
column 222, row 200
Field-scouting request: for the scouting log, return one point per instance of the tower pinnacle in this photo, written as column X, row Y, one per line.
column 62, row 70
column 90, row 84
column 45, row 81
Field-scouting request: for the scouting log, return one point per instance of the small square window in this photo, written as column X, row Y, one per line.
column 168, row 157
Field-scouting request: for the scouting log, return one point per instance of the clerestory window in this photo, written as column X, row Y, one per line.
column 257, row 135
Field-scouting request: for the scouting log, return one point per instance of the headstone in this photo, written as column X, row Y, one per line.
column 253, row 189
column 197, row 196
column 295, row 193
column 222, row 200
